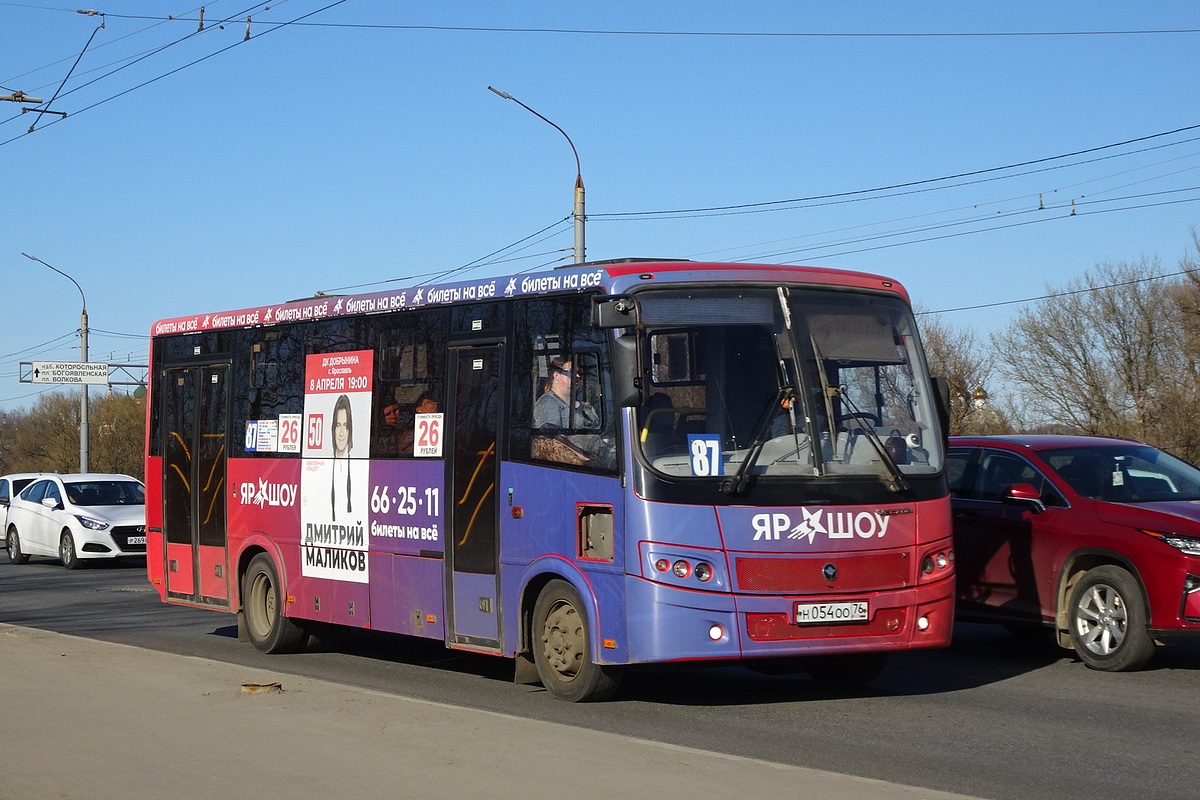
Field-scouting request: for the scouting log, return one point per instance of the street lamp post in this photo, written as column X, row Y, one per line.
column 83, row 357
column 578, row 210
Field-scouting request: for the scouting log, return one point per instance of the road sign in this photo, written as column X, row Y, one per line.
column 68, row 372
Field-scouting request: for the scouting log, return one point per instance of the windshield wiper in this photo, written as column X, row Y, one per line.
column 896, row 482
column 737, row 483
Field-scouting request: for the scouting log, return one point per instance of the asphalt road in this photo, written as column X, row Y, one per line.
column 994, row 716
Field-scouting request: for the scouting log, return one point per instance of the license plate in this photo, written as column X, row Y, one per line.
column 826, row 613
column 136, row 540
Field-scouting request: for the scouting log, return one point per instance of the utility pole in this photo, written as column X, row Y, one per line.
column 83, row 359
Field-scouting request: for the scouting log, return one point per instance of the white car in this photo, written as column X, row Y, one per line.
column 77, row 518
column 10, row 486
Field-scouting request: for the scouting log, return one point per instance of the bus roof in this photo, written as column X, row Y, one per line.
column 613, row 277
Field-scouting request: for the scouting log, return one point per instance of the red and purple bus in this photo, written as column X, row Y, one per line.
column 581, row 469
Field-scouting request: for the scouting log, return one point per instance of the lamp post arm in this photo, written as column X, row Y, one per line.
column 65, row 275
column 83, row 359
column 578, row 210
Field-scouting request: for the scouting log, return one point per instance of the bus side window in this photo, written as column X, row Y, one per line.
column 560, row 407
column 561, row 411
column 409, row 381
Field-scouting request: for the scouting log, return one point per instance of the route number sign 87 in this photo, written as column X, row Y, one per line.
column 704, row 451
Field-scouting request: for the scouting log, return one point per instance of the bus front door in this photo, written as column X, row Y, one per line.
column 472, row 553
column 195, row 416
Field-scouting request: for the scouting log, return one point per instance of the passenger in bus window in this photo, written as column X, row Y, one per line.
column 343, row 441
column 387, row 436
column 425, row 405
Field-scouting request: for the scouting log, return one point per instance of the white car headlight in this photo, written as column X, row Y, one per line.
column 91, row 523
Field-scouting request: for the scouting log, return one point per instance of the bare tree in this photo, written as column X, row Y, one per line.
column 46, row 438
column 1107, row 355
column 117, row 430
column 1181, row 396
column 957, row 355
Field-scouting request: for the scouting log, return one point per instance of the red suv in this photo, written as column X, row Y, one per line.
column 1095, row 538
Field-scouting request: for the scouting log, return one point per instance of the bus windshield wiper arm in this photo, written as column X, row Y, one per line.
column 737, row 483
column 896, row 482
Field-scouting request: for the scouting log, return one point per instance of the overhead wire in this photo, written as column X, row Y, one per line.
column 143, row 84
column 699, row 33
column 1065, row 293
column 426, row 278
column 744, row 207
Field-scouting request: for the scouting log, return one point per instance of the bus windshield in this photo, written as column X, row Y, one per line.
column 745, row 382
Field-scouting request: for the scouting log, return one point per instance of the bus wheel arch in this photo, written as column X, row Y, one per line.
column 262, row 601
column 560, row 636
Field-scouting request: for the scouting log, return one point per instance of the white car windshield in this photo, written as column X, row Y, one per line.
column 106, row 493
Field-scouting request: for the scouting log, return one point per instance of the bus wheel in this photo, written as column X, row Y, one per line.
column 13, row 545
column 846, row 671
column 1108, row 621
column 269, row 630
column 562, row 647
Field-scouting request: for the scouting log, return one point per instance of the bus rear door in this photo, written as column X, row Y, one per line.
column 195, row 417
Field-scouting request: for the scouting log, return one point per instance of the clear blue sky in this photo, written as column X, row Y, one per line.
column 199, row 172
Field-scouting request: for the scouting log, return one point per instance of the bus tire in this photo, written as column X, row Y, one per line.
column 12, row 543
column 1108, row 621
column 562, row 647
column 266, row 626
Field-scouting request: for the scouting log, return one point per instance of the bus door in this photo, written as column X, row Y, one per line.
column 473, row 473
column 195, row 416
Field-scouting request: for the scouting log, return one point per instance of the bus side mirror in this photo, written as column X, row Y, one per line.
column 627, row 375
column 618, row 312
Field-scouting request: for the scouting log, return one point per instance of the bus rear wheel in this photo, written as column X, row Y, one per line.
column 562, row 647
column 267, row 627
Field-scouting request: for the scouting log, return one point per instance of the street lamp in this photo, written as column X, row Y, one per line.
column 578, row 212
column 83, row 357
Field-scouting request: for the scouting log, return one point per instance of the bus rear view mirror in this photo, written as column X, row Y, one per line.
column 627, row 376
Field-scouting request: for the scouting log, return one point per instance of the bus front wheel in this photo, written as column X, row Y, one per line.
column 269, row 630
column 562, row 647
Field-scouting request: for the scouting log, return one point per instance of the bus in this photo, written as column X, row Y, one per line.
column 581, row 469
